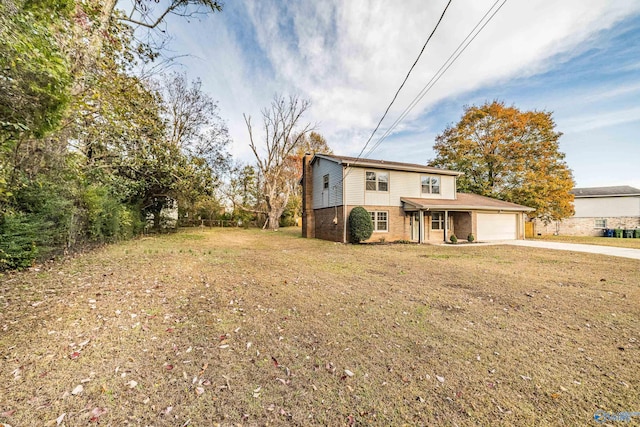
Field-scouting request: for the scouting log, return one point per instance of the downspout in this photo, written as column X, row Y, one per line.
column 344, row 207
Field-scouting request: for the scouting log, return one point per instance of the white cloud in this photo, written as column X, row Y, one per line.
column 349, row 57
column 589, row 122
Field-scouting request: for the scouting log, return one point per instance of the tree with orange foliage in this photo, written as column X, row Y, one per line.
column 511, row 155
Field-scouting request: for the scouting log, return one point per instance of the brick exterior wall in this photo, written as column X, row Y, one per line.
column 325, row 228
column 398, row 224
column 585, row 226
column 462, row 226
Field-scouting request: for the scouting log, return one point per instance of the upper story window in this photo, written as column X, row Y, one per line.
column 601, row 223
column 325, row 182
column 431, row 184
column 377, row 181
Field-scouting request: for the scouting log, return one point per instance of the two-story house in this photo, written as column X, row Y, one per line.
column 596, row 209
column 406, row 201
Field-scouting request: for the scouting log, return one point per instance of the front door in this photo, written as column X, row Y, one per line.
column 415, row 227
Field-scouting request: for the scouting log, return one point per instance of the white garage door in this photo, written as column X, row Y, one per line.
column 496, row 227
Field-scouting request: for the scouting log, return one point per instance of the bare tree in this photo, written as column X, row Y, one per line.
column 281, row 136
column 194, row 124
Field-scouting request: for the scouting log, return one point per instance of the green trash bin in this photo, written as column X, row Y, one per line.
column 617, row 233
column 636, row 233
column 628, row 234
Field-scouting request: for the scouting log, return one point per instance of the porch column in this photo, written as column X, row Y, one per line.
column 421, row 228
column 446, row 222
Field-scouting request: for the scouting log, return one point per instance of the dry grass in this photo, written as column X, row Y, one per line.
column 588, row 240
column 256, row 328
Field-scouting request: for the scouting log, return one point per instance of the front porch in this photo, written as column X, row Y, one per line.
column 438, row 226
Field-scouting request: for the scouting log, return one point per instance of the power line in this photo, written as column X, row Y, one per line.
column 443, row 69
column 404, row 81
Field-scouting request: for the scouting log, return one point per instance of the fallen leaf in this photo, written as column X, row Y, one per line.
column 275, row 362
column 226, row 379
column 7, row 413
column 271, row 407
column 439, row 378
column 524, row 377
column 60, row 418
column 169, row 367
column 132, row 384
column 199, row 390
column 555, row 395
column 348, row 372
column 204, row 368
column 74, row 355
column 79, row 389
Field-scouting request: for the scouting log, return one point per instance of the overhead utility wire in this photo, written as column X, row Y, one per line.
column 404, row 81
column 443, row 69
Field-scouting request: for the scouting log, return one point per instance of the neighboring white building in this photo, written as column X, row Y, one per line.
column 406, row 201
column 599, row 208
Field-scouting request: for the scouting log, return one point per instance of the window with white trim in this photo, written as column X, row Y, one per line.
column 437, row 221
column 325, row 182
column 380, row 220
column 377, row 181
column 430, row 184
column 601, row 223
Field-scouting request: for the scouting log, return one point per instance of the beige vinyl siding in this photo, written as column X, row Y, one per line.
column 354, row 186
column 324, row 198
column 401, row 184
column 405, row 184
column 593, row 207
column 447, row 188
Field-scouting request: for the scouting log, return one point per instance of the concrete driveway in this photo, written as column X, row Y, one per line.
column 576, row 247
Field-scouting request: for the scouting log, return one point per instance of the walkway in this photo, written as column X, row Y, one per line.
column 576, row 247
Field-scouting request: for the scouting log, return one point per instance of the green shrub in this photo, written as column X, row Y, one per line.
column 107, row 218
column 360, row 225
column 453, row 238
column 470, row 237
column 18, row 236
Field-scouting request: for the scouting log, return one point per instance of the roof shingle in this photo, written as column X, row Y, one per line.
column 620, row 190
column 466, row 201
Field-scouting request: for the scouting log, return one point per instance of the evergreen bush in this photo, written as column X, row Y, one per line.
column 360, row 225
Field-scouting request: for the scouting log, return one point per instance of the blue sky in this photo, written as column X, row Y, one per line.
column 579, row 59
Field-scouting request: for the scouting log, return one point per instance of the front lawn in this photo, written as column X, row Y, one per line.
column 249, row 327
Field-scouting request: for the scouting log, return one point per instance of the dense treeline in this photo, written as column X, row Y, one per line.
column 89, row 150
